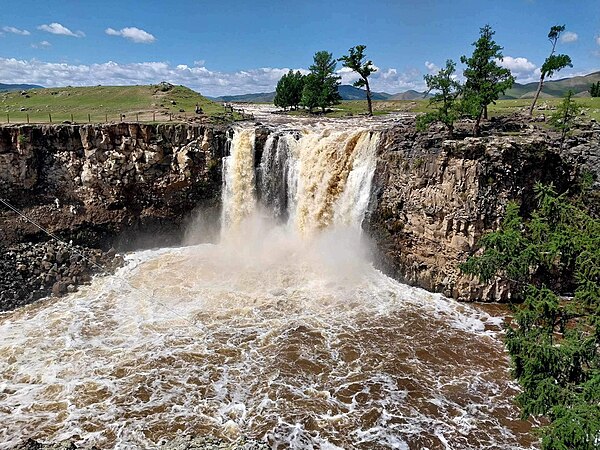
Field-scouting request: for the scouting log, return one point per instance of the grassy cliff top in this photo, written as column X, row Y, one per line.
column 146, row 102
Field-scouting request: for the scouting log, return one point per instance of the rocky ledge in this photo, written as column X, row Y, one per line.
column 29, row 271
column 434, row 197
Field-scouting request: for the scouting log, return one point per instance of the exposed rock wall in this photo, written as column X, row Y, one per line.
column 91, row 183
column 435, row 197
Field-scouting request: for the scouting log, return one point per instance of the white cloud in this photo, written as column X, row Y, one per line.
column 387, row 80
column 568, row 37
column 16, row 31
column 133, row 34
column 42, row 44
column 598, row 40
column 201, row 79
column 57, row 28
column 431, row 67
column 523, row 70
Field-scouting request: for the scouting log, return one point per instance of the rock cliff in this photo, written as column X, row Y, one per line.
column 434, row 197
column 92, row 183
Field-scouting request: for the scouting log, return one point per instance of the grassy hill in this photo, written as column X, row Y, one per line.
column 410, row 95
column 555, row 88
column 100, row 102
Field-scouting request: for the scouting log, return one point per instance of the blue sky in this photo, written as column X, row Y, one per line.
column 229, row 47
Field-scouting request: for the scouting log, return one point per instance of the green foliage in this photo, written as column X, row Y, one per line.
column 554, row 63
column 565, row 115
column 447, row 90
column 595, row 89
column 485, row 79
column 289, row 90
column 321, row 85
column 553, row 340
column 355, row 60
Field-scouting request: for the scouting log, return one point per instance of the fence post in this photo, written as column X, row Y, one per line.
column 106, row 118
column 50, row 117
column 71, row 117
column 89, row 118
column 27, row 118
column 153, row 116
column 7, row 118
column 137, row 117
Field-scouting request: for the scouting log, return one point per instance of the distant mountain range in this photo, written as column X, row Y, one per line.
column 347, row 92
column 17, row 87
column 555, row 88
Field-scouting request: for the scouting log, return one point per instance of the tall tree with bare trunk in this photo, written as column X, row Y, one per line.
column 552, row 64
column 355, row 60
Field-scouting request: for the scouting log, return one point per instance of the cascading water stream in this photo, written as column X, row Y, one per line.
column 283, row 331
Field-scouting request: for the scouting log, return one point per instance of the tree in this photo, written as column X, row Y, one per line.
column 289, row 90
column 447, row 91
column 595, row 89
column 485, row 79
column 552, row 64
column 553, row 340
column 564, row 117
column 355, row 60
column 321, row 85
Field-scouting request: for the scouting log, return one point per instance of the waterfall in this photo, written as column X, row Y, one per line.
column 238, row 177
column 282, row 332
column 314, row 179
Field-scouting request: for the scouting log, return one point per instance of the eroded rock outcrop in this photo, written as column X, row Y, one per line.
column 435, row 197
column 91, row 183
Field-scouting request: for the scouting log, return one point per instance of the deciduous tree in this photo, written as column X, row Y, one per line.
column 355, row 60
column 552, row 64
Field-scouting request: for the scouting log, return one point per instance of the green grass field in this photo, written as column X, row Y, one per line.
column 591, row 107
column 104, row 103
column 150, row 103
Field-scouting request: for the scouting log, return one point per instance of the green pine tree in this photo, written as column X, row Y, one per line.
column 485, row 79
column 321, row 85
column 554, row 337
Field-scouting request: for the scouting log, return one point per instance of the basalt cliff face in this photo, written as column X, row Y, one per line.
column 434, row 197
column 99, row 183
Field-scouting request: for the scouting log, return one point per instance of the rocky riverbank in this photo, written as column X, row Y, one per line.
column 99, row 186
column 30, row 271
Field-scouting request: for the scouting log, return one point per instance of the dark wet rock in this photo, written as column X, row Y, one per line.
column 30, row 271
column 180, row 443
column 211, row 443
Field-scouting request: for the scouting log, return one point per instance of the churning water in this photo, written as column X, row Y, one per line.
column 283, row 331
